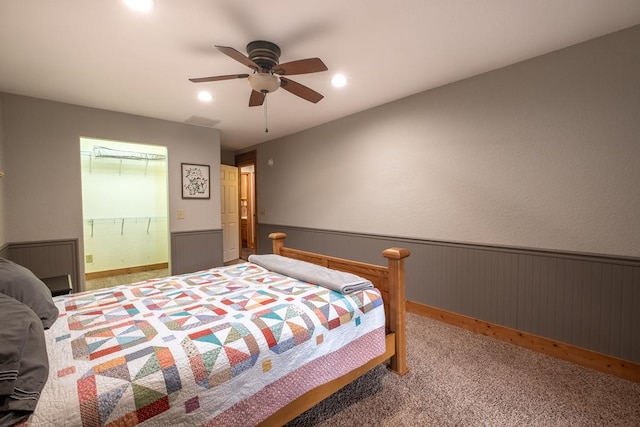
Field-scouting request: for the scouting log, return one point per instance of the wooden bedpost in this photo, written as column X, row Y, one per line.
column 278, row 241
column 397, row 321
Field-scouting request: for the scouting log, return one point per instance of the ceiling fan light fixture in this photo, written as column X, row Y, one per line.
column 264, row 82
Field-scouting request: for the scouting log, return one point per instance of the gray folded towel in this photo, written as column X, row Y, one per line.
column 331, row 279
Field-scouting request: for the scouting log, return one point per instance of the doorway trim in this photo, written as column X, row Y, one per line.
column 250, row 159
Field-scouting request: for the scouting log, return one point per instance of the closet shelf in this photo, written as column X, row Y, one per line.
column 125, row 218
column 122, row 220
column 99, row 151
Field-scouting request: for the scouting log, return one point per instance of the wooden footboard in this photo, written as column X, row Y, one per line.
column 389, row 280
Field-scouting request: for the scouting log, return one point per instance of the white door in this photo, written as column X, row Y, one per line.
column 230, row 213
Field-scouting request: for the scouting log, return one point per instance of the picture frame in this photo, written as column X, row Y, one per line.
column 196, row 180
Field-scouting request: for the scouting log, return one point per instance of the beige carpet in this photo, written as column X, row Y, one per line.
column 459, row 378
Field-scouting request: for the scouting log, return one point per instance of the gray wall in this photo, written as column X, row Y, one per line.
column 42, row 186
column 540, row 154
column 516, row 190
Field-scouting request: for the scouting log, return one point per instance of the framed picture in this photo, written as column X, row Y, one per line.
column 195, row 181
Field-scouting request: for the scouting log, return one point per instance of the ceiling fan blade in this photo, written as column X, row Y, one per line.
column 218, row 78
column 256, row 99
column 301, row 66
column 300, row 90
column 238, row 56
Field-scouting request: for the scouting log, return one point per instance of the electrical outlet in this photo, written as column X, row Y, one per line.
column 89, row 259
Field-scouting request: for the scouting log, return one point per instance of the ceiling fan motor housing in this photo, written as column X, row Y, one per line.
column 265, row 54
column 264, row 59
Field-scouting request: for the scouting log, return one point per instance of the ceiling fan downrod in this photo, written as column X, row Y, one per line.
column 266, row 127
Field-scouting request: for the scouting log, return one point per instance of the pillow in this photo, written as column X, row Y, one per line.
column 20, row 283
column 24, row 364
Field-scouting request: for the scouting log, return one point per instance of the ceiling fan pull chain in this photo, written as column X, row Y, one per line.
column 266, row 126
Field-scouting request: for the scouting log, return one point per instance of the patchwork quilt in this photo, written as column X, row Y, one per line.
column 226, row 346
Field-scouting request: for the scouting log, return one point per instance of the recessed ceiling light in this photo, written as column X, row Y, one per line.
column 339, row 80
column 140, row 5
column 205, row 96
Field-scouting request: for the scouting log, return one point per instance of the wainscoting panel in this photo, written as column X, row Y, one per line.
column 588, row 301
column 445, row 273
column 195, row 250
column 47, row 259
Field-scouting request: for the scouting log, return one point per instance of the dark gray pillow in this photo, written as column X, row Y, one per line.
column 24, row 364
column 20, row 283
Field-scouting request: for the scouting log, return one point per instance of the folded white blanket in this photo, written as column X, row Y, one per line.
column 332, row 279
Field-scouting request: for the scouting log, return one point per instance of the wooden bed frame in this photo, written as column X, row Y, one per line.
column 390, row 281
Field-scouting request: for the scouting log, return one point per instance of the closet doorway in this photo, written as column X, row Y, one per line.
column 246, row 162
column 125, row 206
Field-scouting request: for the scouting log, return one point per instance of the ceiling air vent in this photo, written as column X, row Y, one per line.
column 201, row 121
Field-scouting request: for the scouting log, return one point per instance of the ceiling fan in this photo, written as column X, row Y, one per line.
column 268, row 74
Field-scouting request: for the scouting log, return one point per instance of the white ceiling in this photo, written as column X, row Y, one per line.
column 98, row 53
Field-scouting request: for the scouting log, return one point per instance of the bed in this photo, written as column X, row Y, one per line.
column 244, row 344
